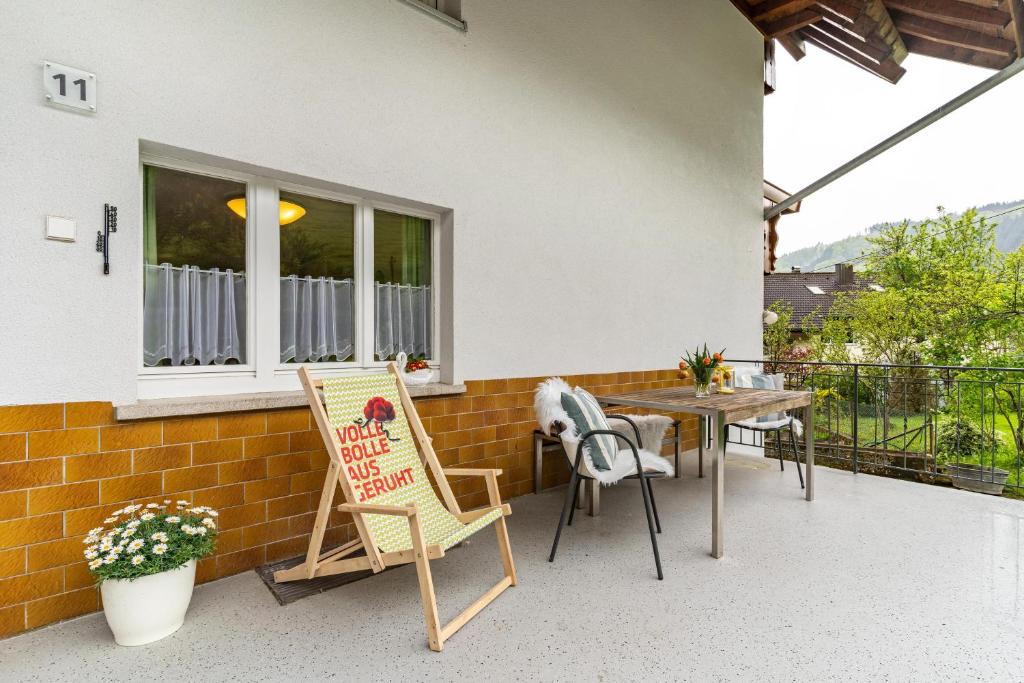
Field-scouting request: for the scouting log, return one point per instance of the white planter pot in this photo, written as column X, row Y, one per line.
column 148, row 609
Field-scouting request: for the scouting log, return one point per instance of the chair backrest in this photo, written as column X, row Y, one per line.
column 371, row 443
column 755, row 378
column 555, row 421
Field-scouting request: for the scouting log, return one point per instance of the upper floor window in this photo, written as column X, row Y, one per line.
column 352, row 287
column 449, row 11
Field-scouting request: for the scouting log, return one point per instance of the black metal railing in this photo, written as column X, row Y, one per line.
column 926, row 422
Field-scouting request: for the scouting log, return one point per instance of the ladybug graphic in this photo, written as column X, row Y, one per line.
column 379, row 409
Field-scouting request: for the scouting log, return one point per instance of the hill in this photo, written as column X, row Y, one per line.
column 1009, row 237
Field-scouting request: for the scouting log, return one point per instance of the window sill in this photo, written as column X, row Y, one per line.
column 205, row 405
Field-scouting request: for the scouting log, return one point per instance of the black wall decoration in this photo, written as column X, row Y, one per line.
column 103, row 236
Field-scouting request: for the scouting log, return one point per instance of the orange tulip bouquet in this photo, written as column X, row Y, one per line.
column 701, row 366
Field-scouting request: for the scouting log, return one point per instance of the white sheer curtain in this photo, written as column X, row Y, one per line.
column 316, row 319
column 404, row 320
column 193, row 316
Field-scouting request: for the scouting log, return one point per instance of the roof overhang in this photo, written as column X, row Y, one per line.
column 877, row 35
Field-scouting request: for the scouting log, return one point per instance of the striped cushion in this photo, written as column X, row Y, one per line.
column 585, row 411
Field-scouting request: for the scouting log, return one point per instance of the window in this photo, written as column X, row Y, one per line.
column 448, row 11
column 401, row 274
column 194, row 270
column 317, row 279
column 814, row 289
column 354, row 283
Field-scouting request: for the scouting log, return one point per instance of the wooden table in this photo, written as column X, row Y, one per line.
column 725, row 409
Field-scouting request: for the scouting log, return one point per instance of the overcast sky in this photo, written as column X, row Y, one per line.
column 825, row 111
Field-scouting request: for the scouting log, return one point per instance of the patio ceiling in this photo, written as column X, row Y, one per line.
column 877, row 35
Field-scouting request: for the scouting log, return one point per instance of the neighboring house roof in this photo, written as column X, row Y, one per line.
column 877, row 35
column 795, row 288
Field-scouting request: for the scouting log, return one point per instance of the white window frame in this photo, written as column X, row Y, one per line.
column 263, row 370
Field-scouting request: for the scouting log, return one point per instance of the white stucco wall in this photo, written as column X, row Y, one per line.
column 602, row 158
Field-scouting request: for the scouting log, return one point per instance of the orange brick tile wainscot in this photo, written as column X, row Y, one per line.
column 65, row 467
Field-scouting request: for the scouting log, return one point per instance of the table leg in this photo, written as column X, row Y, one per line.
column 809, row 450
column 538, row 461
column 678, row 444
column 700, row 447
column 718, row 487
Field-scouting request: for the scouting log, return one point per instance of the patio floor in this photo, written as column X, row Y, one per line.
column 877, row 579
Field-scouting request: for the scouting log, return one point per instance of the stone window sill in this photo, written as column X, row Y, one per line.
column 232, row 403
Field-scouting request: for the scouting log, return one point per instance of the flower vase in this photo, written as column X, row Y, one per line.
column 703, row 388
column 148, row 608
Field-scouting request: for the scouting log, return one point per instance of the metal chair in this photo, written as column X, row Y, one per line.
column 643, row 474
column 776, row 427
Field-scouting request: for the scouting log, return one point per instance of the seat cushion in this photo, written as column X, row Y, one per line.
column 585, row 411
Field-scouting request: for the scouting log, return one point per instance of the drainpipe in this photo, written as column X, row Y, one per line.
column 992, row 81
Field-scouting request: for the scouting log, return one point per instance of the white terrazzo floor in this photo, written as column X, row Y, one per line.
column 877, row 579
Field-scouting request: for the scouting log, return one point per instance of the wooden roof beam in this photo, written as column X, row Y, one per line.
column 791, row 23
column 878, row 54
column 794, row 45
column 930, row 48
column 850, row 15
column 1017, row 12
column 953, row 9
column 888, row 70
column 773, row 10
column 948, row 34
column 887, row 29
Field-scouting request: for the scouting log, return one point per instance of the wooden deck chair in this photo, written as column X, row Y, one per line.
column 365, row 425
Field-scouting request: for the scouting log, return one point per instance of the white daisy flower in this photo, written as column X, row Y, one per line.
column 208, row 522
column 152, row 506
column 138, row 559
column 159, row 536
column 173, row 519
column 91, row 554
column 91, row 539
column 110, row 520
column 183, row 502
column 96, row 531
column 110, row 558
column 212, row 513
column 136, row 545
column 201, row 530
column 132, row 524
column 95, row 563
column 128, row 532
column 167, row 502
column 106, row 545
column 146, row 517
column 190, row 530
column 160, row 549
column 123, row 543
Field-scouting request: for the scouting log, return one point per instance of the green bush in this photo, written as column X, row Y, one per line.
column 962, row 440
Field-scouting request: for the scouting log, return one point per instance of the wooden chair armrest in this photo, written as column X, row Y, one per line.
column 469, row 516
column 490, row 475
column 472, row 471
column 370, row 509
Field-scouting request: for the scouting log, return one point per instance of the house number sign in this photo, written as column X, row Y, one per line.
column 69, row 87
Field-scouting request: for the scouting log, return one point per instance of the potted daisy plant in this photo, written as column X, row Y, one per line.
column 144, row 558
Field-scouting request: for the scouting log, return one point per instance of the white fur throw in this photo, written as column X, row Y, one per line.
column 547, row 404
